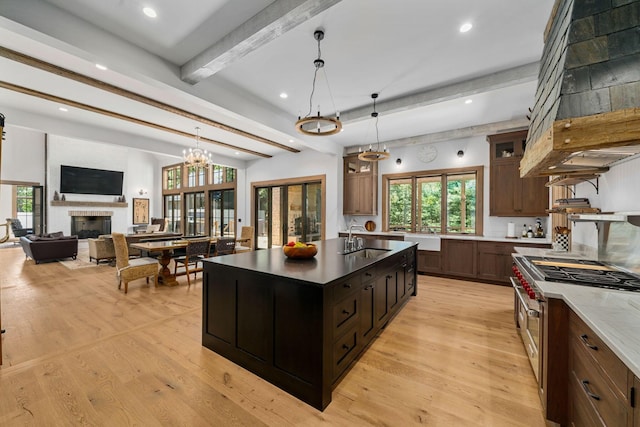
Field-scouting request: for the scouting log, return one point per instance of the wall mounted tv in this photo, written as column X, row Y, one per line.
column 78, row 180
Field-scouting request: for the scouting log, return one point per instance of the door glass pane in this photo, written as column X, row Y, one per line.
column 24, row 205
column 262, row 217
column 215, row 205
column 461, row 201
column 294, row 216
column 429, row 203
column 400, row 191
column 228, row 212
column 314, row 212
column 276, row 217
column 172, row 210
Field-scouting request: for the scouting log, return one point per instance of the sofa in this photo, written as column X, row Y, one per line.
column 49, row 247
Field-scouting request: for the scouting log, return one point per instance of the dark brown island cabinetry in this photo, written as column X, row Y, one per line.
column 300, row 324
column 510, row 195
column 360, row 191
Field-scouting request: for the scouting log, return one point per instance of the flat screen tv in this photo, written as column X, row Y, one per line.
column 78, row 180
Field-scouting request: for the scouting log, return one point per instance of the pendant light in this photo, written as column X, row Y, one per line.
column 318, row 125
column 371, row 155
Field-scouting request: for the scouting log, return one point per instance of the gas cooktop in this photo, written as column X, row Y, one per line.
column 584, row 272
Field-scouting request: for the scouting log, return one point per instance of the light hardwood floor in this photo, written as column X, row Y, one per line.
column 78, row 351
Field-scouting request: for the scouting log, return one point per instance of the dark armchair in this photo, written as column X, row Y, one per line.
column 17, row 228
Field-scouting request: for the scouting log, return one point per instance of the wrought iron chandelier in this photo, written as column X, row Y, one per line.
column 318, row 125
column 371, row 155
column 197, row 156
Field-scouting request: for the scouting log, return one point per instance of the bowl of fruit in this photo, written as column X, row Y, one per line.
column 299, row 250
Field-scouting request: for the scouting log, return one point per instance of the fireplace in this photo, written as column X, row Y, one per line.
column 86, row 224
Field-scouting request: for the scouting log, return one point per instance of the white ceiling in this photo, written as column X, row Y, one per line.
column 409, row 51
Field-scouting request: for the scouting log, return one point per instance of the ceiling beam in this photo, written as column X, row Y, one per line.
column 115, row 115
column 90, row 81
column 455, row 134
column 502, row 79
column 267, row 25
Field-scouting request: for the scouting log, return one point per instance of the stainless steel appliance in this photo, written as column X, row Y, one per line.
column 527, row 308
column 583, row 272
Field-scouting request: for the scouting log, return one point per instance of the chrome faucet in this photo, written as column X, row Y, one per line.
column 349, row 244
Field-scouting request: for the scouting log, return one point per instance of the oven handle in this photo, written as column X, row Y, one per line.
column 530, row 312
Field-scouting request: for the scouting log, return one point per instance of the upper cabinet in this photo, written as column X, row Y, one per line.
column 511, row 195
column 360, row 190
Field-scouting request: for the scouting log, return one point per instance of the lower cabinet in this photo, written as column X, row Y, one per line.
column 636, row 410
column 459, row 257
column 487, row 261
column 599, row 389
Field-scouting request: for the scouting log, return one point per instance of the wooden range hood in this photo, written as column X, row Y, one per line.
column 587, row 110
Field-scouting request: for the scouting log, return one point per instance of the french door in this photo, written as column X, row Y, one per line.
column 289, row 212
column 222, row 212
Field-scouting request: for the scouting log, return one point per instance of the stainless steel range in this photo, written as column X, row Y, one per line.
column 582, row 272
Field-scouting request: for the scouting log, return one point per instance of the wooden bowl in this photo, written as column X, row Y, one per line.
column 300, row 253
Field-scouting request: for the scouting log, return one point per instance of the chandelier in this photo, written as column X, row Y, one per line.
column 371, row 155
column 318, row 125
column 197, row 156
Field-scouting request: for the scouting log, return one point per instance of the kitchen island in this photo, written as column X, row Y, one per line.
column 300, row 324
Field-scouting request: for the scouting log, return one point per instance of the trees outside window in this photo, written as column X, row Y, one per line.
column 443, row 202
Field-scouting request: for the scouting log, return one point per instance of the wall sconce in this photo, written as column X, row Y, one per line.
column 142, row 191
column 398, row 161
column 460, row 153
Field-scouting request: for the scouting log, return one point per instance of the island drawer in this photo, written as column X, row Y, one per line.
column 348, row 286
column 344, row 351
column 345, row 313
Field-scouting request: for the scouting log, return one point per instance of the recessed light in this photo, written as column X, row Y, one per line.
column 291, row 140
column 465, row 27
column 101, row 67
column 468, row 101
column 63, row 109
column 283, row 95
column 237, row 153
column 149, row 12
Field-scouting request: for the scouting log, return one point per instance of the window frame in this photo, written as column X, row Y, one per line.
column 414, row 176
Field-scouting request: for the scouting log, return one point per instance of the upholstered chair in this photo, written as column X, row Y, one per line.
column 100, row 249
column 132, row 269
column 245, row 242
column 17, row 228
column 197, row 250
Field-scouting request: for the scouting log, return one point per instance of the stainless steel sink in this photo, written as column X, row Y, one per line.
column 368, row 253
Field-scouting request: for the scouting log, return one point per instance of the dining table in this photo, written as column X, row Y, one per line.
column 166, row 247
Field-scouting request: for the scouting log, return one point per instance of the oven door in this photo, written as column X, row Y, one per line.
column 528, row 320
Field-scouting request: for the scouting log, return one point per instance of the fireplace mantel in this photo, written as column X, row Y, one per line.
column 89, row 204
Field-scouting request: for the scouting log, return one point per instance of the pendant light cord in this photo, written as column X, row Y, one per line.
column 319, row 63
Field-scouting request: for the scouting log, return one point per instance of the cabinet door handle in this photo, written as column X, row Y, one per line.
column 585, row 386
column 347, row 285
column 368, row 274
column 345, row 312
column 585, row 340
column 345, row 347
column 366, row 288
column 389, row 276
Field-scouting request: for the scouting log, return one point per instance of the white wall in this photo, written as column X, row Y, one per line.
column 294, row 165
column 22, row 160
column 476, row 153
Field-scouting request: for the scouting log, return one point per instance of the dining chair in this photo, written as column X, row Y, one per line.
column 196, row 251
column 132, row 269
column 244, row 243
column 225, row 246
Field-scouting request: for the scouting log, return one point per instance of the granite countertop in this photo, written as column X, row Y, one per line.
column 613, row 315
column 326, row 267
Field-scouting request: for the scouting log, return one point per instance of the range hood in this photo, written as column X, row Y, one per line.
column 587, row 110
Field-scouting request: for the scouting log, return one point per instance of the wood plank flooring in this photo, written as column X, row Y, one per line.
column 79, row 352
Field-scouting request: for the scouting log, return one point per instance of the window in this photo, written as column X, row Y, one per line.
column 173, row 178
column 196, row 176
column 444, row 201
column 24, row 205
column 172, row 211
column 222, row 174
